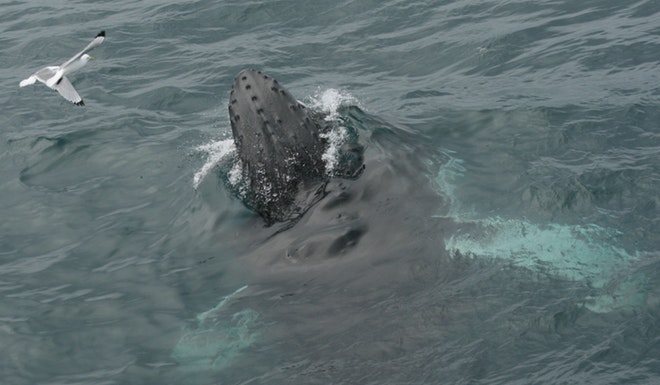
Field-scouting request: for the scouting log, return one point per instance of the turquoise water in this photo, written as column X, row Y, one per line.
column 504, row 229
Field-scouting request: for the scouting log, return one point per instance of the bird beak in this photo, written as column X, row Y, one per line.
column 91, row 58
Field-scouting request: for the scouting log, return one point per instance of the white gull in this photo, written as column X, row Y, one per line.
column 54, row 76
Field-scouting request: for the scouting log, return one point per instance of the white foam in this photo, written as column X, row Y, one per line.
column 215, row 152
column 328, row 102
column 335, row 138
column 236, row 173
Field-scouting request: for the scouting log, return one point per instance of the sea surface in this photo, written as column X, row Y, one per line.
column 504, row 229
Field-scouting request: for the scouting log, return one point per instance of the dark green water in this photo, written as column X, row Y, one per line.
column 504, row 230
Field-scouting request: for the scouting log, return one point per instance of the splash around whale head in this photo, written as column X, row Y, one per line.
column 280, row 145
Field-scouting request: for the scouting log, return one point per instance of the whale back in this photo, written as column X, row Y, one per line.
column 278, row 143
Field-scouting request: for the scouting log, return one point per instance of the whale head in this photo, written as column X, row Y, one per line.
column 279, row 146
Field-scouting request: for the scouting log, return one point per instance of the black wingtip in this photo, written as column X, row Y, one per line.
column 101, row 34
column 80, row 103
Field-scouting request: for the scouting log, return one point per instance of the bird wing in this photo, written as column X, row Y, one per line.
column 95, row 43
column 65, row 88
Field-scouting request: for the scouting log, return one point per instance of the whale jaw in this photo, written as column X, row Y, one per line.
column 279, row 146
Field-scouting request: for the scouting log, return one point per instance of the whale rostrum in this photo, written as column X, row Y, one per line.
column 279, row 146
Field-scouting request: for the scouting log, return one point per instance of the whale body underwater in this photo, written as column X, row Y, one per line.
column 392, row 231
column 280, row 144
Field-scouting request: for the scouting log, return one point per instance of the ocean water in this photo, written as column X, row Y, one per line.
column 504, row 230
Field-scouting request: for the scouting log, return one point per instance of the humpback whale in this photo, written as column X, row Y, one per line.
column 280, row 146
column 400, row 239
